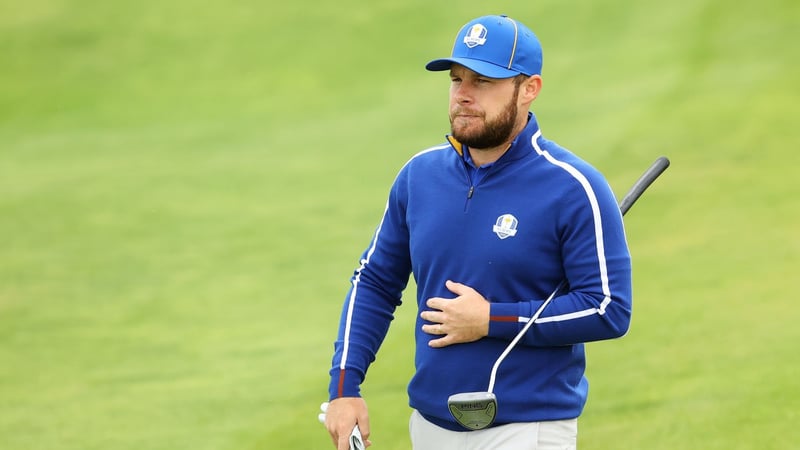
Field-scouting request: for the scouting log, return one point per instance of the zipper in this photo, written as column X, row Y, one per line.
column 471, row 188
column 472, row 184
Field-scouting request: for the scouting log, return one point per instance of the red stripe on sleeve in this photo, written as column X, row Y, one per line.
column 503, row 318
column 341, row 383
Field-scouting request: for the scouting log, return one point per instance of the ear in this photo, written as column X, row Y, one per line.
column 530, row 89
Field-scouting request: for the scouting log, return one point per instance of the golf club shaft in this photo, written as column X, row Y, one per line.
column 647, row 178
column 636, row 191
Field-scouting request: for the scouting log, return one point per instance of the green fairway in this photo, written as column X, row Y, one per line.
column 186, row 188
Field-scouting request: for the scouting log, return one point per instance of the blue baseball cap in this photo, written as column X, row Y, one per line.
column 495, row 47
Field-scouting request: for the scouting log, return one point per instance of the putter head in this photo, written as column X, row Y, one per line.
column 473, row 410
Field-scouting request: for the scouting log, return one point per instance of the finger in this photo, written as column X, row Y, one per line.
column 334, row 438
column 441, row 342
column 436, row 303
column 437, row 329
column 457, row 288
column 344, row 442
column 333, row 431
column 363, row 427
column 432, row 316
column 333, row 434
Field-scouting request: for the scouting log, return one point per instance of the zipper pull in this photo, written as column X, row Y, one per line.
column 471, row 191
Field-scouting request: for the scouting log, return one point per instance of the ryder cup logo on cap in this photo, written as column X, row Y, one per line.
column 495, row 47
column 476, row 36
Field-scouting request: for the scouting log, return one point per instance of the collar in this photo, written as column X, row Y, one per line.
column 468, row 159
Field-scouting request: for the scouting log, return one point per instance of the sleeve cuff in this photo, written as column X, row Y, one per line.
column 504, row 320
column 344, row 383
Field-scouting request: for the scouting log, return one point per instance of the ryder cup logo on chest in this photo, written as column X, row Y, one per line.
column 475, row 36
column 505, row 226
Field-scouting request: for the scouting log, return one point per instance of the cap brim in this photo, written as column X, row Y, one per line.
column 476, row 65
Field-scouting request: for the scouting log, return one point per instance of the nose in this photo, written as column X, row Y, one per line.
column 461, row 93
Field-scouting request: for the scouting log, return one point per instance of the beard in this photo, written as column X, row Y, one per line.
column 493, row 133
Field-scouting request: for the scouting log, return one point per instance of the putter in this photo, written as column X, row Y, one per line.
column 478, row 410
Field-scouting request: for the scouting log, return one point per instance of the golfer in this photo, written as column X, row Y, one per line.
column 489, row 223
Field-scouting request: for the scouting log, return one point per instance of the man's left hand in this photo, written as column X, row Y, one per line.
column 458, row 320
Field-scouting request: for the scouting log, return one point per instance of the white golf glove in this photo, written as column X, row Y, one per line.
column 356, row 441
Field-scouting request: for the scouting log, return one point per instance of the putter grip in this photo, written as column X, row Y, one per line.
column 356, row 441
column 647, row 178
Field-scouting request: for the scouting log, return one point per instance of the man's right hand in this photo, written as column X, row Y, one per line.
column 342, row 415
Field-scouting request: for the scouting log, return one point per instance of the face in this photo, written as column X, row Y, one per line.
column 483, row 111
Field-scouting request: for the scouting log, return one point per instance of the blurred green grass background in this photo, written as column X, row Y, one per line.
column 185, row 188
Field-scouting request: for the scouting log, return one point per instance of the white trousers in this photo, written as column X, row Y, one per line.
column 554, row 435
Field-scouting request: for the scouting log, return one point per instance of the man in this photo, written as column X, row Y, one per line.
column 489, row 223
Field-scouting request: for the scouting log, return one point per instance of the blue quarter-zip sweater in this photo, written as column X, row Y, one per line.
column 537, row 216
